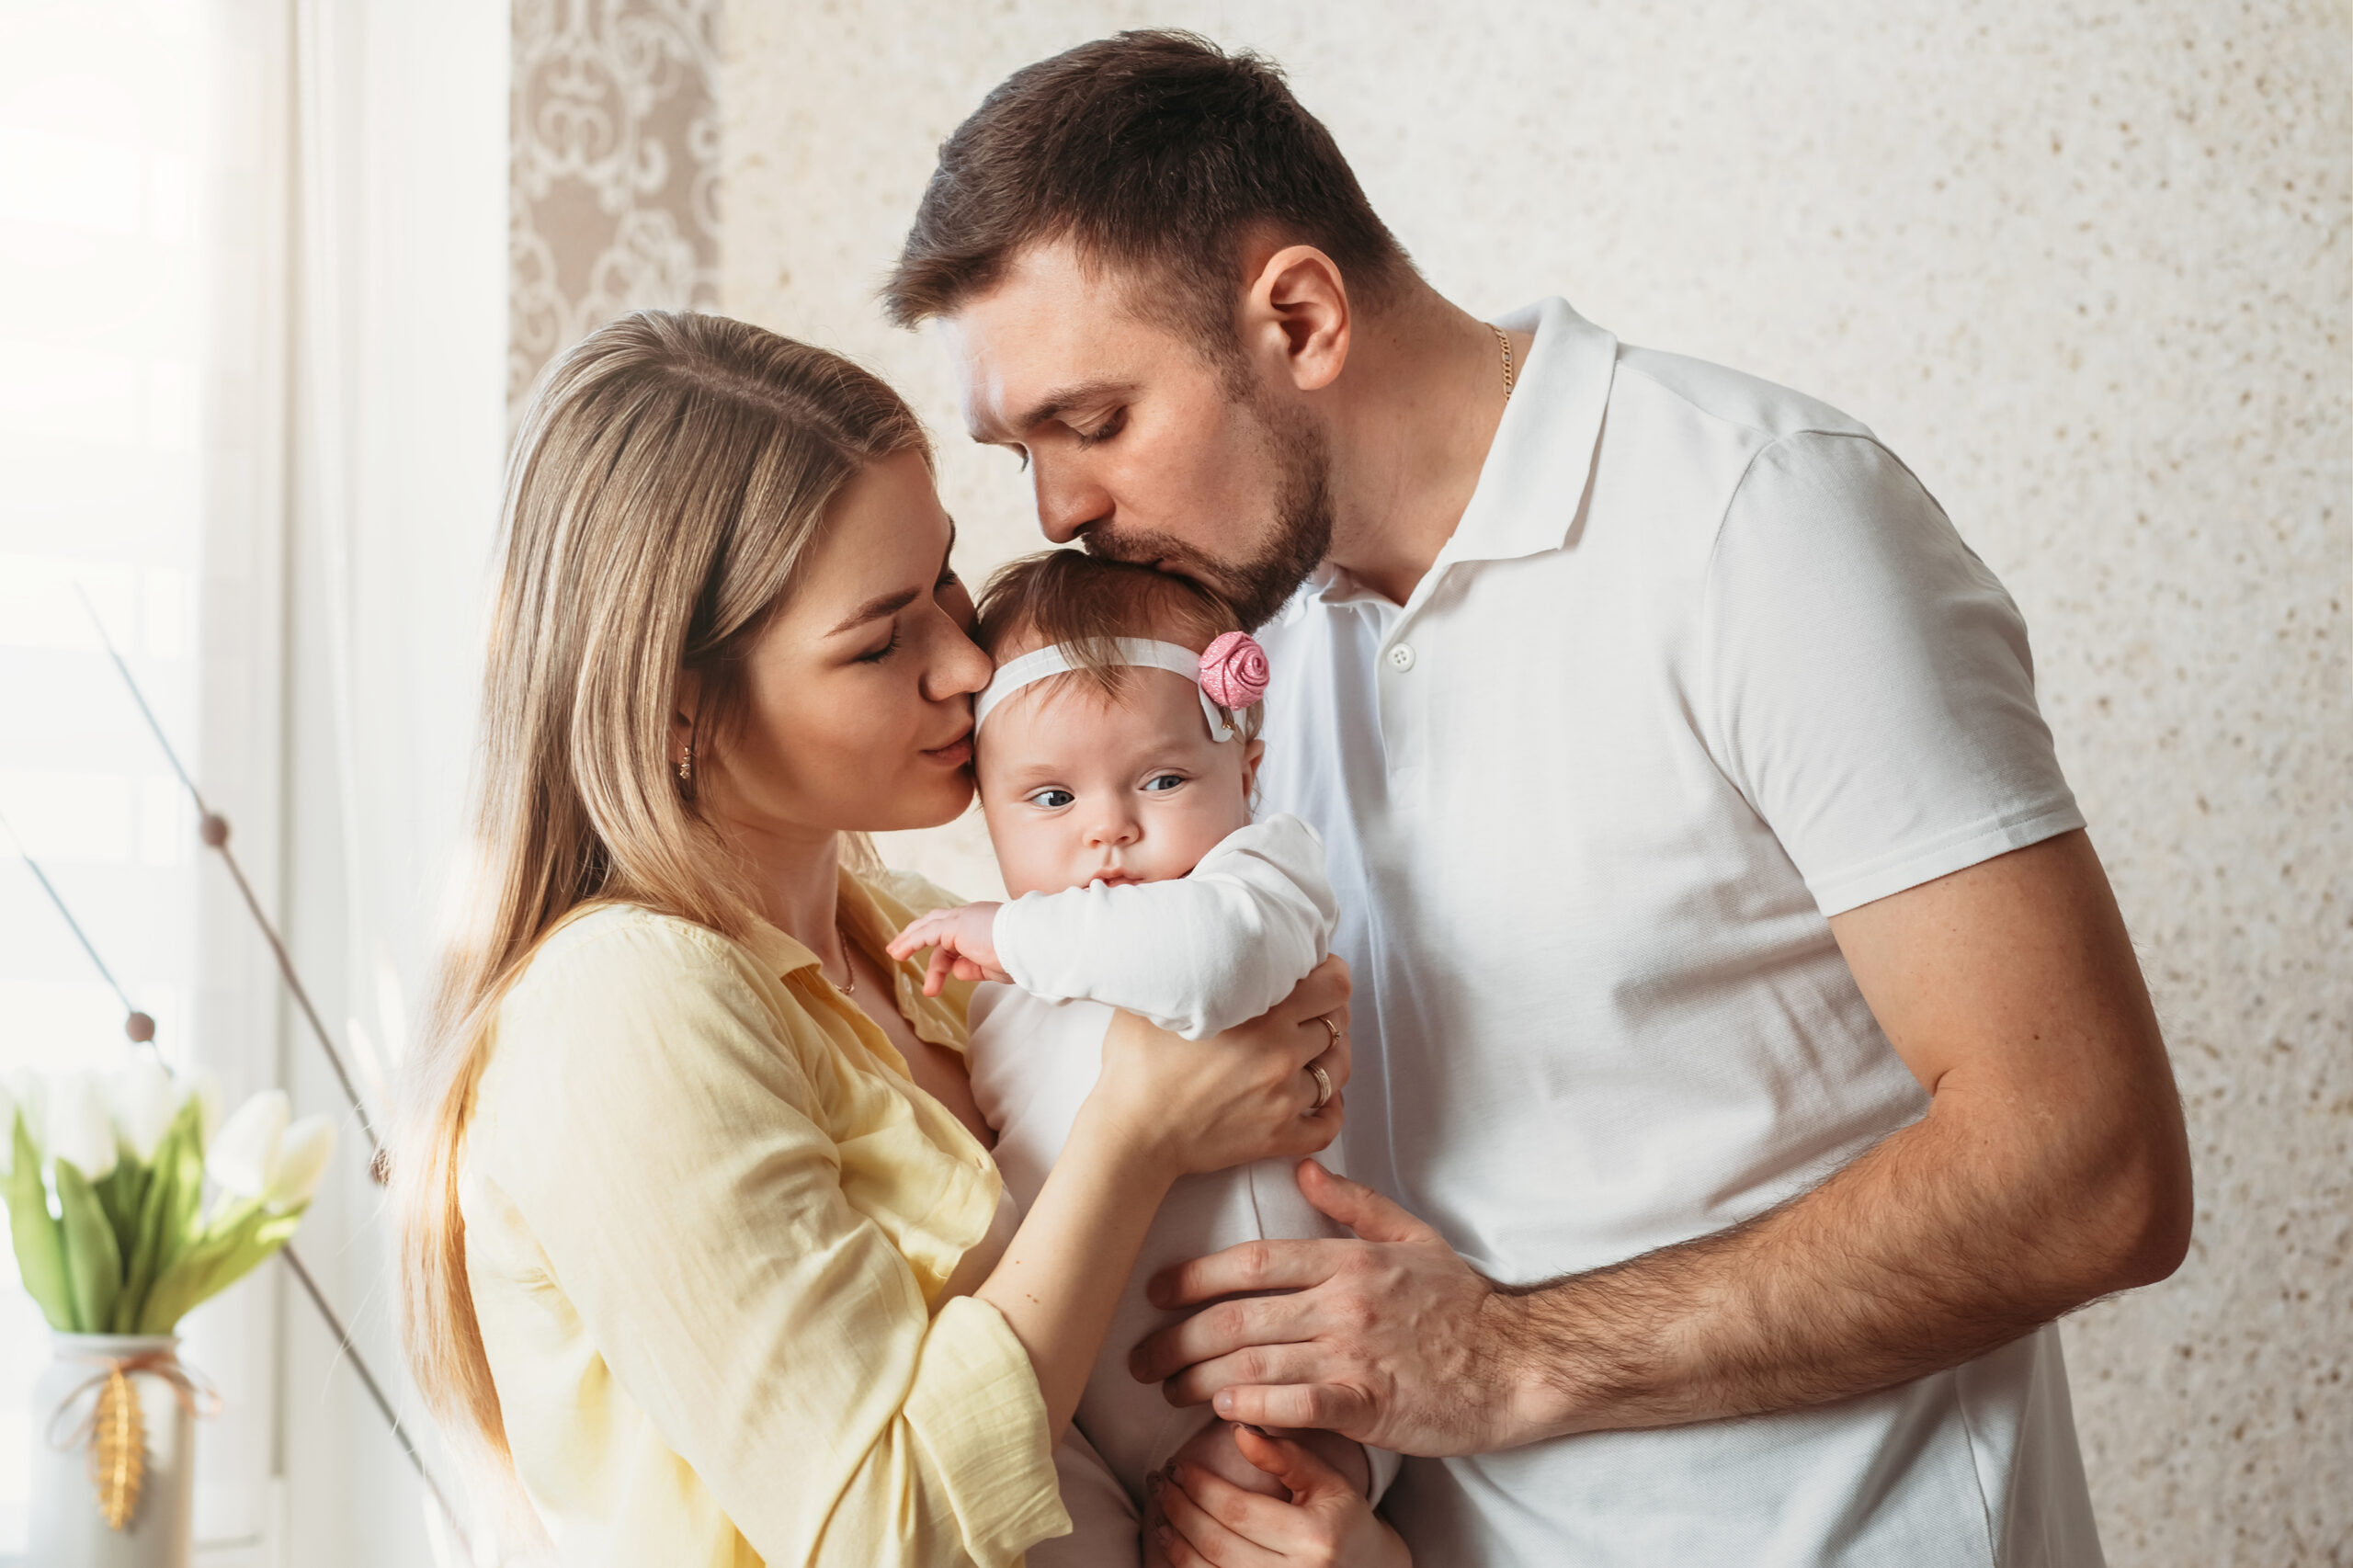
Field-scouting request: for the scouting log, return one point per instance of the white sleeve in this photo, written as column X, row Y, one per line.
column 1196, row 955
column 1867, row 683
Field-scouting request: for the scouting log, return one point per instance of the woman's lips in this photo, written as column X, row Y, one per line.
column 955, row 753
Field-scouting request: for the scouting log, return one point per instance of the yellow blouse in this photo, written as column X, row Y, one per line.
column 710, row 1225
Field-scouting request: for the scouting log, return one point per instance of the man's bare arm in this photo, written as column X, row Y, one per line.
column 2051, row 1169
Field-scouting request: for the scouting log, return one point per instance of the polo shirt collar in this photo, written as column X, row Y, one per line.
column 1533, row 483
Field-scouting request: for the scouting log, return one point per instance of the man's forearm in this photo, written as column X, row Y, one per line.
column 1919, row 1256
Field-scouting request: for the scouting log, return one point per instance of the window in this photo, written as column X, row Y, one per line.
column 137, row 392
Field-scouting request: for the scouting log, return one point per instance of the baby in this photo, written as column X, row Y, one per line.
column 1116, row 752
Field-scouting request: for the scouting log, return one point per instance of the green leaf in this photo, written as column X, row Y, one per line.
column 120, row 1193
column 39, row 1241
column 238, row 1241
column 167, row 1213
column 93, row 1262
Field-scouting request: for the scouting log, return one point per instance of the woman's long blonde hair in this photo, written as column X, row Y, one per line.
column 667, row 481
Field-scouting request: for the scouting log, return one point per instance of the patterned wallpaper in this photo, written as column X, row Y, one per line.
column 615, row 160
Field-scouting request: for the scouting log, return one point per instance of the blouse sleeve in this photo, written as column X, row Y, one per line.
column 658, row 1140
column 1195, row 954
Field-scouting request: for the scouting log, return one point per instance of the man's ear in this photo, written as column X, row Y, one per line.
column 1297, row 307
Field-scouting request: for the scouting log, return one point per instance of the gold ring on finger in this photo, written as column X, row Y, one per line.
column 1329, row 1027
column 1323, row 1087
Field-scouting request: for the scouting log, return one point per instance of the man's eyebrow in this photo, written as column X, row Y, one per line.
column 1063, row 398
column 875, row 610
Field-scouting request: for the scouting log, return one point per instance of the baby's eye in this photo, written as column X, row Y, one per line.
column 1165, row 781
column 1053, row 800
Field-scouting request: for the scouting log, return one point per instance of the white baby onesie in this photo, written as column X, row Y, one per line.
column 1196, row 955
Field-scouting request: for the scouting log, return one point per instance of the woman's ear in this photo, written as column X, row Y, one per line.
column 685, row 702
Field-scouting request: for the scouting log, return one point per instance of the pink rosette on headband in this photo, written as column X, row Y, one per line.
column 1233, row 671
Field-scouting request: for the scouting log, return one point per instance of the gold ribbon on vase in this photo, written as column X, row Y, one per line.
column 115, row 1430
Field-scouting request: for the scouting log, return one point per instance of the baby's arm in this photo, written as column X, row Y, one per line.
column 1194, row 955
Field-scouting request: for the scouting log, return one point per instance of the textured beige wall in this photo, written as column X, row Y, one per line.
column 613, row 166
column 2086, row 267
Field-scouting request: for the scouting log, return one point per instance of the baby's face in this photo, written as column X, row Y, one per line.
column 1079, row 787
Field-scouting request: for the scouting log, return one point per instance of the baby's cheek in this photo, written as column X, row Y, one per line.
column 1032, row 856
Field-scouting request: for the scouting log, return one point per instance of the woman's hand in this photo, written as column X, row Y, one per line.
column 1241, row 1096
column 1326, row 1524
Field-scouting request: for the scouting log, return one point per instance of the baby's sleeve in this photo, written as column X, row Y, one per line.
column 1197, row 955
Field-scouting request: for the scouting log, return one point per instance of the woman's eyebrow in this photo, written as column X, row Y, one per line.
column 875, row 610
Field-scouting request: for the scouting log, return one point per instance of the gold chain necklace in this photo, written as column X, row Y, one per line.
column 849, row 986
column 1503, row 341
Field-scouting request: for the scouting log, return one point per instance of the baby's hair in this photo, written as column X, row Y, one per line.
column 1085, row 604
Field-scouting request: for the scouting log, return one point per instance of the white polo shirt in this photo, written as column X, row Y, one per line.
column 1702, row 665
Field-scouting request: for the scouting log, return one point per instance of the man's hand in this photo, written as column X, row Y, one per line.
column 2050, row 1169
column 1384, row 1339
column 963, row 942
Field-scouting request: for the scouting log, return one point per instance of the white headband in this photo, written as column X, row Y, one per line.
column 1140, row 652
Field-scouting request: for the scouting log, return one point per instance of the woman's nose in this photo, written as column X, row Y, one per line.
column 958, row 668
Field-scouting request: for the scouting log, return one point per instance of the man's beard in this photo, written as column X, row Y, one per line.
column 1301, row 537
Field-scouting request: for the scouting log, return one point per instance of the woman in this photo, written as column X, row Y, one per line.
column 700, row 1234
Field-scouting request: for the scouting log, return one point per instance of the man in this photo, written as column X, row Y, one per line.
column 1744, row 1025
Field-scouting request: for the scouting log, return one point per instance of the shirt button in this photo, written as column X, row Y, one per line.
column 1402, row 656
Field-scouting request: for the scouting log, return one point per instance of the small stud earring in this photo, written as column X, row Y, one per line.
column 687, row 766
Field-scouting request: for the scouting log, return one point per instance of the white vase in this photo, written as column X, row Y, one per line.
column 69, row 1527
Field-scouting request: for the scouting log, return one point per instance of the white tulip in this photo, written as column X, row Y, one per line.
column 79, row 1130
column 302, row 1156
column 144, row 1099
column 205, row 1089
column 242, row 1158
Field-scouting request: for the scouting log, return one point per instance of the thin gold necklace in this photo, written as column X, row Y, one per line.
column 849, row 986
column 1503, row 341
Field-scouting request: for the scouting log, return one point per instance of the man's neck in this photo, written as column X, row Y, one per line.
column 1419, row 404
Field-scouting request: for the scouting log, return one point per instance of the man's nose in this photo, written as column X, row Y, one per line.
column 1068, row 505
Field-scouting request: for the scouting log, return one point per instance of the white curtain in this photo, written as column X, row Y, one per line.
column 399, row 179
column 253, row 362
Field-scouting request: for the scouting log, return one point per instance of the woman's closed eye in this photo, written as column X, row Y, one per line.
column 876, row 656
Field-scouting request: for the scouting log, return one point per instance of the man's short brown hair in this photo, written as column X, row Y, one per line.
column 1156, row 152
